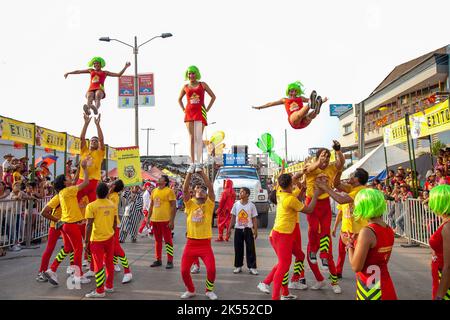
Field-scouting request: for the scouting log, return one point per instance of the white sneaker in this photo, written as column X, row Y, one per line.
column 70, row 270
column 187, row 295
column 85, row 263
column 237, row 270
column 52, row 277
column 297, row 285
column 253, row 271
column 127, row 277
column 109, row 290
column 116, row 268
column 318, row 285
column 289, row 297
column 199, row 167
column 195, row 269
column 263, row 287
column 95, row 294
column 336, row 288
column 89, row 274
column 211, row 295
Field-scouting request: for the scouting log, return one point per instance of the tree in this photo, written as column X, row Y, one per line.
column 438, row 145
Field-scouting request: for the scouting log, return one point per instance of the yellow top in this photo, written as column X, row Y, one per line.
column 69, row 205
column 114, row 197
column 161, row 204
column 103, row 212
column 329, row 171
column 94, row 165
column 83, row 204
column 287, row 213
column 54, row 204
column 348, row 222
column 199, row 219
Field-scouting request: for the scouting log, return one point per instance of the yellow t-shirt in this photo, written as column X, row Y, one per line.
column 69, row 205
column 17, row 176
column 281, row 195
column 348, row 222
column 83, row 204
column 199, row 219
column 54, row 204
column 161, row 204
column 103, row 212
column 330, row 171
column 114, row 197
column 287, row 213
column 94, row 165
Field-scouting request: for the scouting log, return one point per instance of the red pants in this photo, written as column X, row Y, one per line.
column 62, row 254
column 194, row 249
column 341, row 257
column 299, row 268
column 223, row 221
column 161, row 230
column 319, row 237
column 102, row 254
column 53, row 236
column 89, row 191
column 75, row 241
column 282, row 244
column 144, row 221
column 119, row 254
column 269, row 279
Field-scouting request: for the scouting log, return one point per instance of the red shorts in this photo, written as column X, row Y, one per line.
column 89, row 191
column 300, row 125
column 95, row 91
column 195, row 113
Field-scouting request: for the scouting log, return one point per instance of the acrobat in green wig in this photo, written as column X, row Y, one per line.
column 297, row 86
column 439, row 201
column 192, row 69
column 97, row 59
column 369, row 204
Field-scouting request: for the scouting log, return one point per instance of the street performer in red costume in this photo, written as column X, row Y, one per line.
column 226, row 203
column 195, row 113
column 299, row 116
column 96, row 89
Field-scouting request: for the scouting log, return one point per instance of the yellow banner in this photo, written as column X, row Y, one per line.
column 73, row 144
column 16, row 131
column 129, row 166
column 433, row 120
column 47, row 138
column 112, row 153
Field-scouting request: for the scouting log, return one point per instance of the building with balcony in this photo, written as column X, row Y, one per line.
column 410, row 87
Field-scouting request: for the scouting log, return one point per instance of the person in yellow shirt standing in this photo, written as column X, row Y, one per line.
column 101, row 225
column 350, row 227
column 162, row 214
column 71, row 218
column 94, row 154
column 282, row 236
column 320, row 220
column 199, row 213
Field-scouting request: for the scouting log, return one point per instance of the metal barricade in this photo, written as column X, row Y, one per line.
column 12, row 222
column 39, row 224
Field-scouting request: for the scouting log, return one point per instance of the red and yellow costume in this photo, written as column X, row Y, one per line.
column 437, row 244
column 374, row 281
column 291, row 106
column 195, row 110
column 226, row 203
column 97, row 81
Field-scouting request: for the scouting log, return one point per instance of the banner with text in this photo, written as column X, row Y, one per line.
column 50, row 139
column 73, row 145
column 433, row 120
column 129, row 166
column 16, row 131
column 126, row 92
column 146, row 90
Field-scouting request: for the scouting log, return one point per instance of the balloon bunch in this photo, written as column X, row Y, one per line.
column 266, row 144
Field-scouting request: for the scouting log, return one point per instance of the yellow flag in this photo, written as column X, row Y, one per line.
column 129, row 166
column 17, row 131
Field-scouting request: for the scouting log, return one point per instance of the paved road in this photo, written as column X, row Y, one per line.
column 409, row 268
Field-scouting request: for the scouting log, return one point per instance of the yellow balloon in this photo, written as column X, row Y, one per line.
column 217, row 137
column 219, row 149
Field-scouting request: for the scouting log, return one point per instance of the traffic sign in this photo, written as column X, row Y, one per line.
column 336, row 110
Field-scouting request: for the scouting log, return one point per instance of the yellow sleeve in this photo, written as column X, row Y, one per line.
column 89, row 212
column 72, row 191
column 296, row 192
column 54, row 202
column 295, row 204
column 172, row 196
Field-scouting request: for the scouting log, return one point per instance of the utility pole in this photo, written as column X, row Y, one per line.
column 148, row 130
column 174, row 145
column 361, row 121
column 285, row 146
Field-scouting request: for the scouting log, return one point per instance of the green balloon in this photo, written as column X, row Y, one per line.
column 265, row 143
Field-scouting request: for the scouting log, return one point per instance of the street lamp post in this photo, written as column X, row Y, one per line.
column 174, row 145
column 136, row 89
column 148, row 130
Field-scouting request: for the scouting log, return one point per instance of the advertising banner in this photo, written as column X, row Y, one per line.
column 16, row 131
column 50, row 139
column 129, row 166
column 126, row 92
column 146, row 90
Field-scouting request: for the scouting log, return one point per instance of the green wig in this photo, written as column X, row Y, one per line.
column 298, row 86
column 97, row 59
column 440, row 199
column 192, row 69
column 369, row 204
